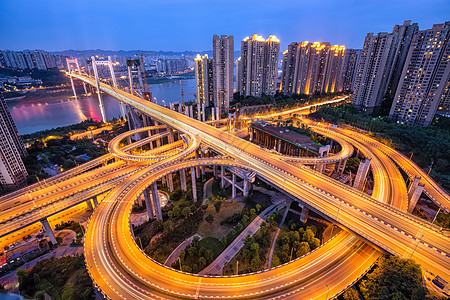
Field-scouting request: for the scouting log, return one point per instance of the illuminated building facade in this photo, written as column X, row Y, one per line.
column 310, row 68
column 12, row 170
column 223, row 70
column 258, row 66
column 204, row 79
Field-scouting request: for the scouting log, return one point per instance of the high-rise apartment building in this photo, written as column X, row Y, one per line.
column 39, row 59
column 424, row 82
column 171, row 66
column 349, row 69
column 310, row 68
column 204, row 79
column 223, row 71
column 382, row 60
column 334, row 64
column 258, row 66
column 12, row 170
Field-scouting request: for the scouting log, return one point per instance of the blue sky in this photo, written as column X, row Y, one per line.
column 189, row 25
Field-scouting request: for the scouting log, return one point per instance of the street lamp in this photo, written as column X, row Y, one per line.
column 292, row 250
column 327, row 292
column 237, row 267
column 434, row 219
column 337, row 215
column 416, row 247
column 179, row 260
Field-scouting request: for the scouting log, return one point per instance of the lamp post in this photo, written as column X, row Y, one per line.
column 237, row 267
column 290, row 257
column 327, row 292
column 416, row 247
column 337, row 215
column 435, row 216
column 179, row 260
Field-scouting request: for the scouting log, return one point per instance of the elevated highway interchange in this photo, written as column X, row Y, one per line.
column 121, row 270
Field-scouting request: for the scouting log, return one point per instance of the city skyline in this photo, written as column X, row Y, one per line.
column 119, row 26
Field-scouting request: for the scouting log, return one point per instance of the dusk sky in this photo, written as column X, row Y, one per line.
column 179, row 25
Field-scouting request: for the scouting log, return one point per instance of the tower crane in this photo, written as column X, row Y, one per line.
column 146, row 93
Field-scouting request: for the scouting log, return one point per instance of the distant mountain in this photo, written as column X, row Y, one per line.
column 131, row 53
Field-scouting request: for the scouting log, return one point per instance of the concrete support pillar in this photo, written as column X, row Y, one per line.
column 304, row 214
column 320, row 168
column 170, row 182
column 48, row 230
column 251, row 134
column 180, row 108
column 217, row 113
column 197, row 169
column 412, row 187
column 183, row 180
column 194, row 184
column 100, row 101
column 171, row 137
column 191, row 111
column 361, row 175
column 139, row 200
column 233, row 187
column 415, row 197
column 341, row 166
column 246, row 187
column 89, row 204
column 202, row 155
column 73, row 87
column 94, row 199
column 156, row 203
column 216, row 171
column 222, row 177
column 149, row 204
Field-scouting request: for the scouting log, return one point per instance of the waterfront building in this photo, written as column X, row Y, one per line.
column 204, row 79
column 12, row 170
column 424, row 83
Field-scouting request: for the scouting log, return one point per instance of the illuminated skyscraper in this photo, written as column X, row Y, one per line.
column 223, row 71
column 258, row 66
column 424, row 82
column 12, row 170
column 310, row 68
column 204, row 79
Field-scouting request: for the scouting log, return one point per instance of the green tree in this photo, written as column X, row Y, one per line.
column 209, row 255
column 394, row 278
column 443, row 220
column 217, row 205
column 351, row 294
column 186, row 212
column 302, row 249
column 209, row 218
column 21, row 275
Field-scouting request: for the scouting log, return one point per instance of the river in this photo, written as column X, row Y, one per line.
column 41, row 114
